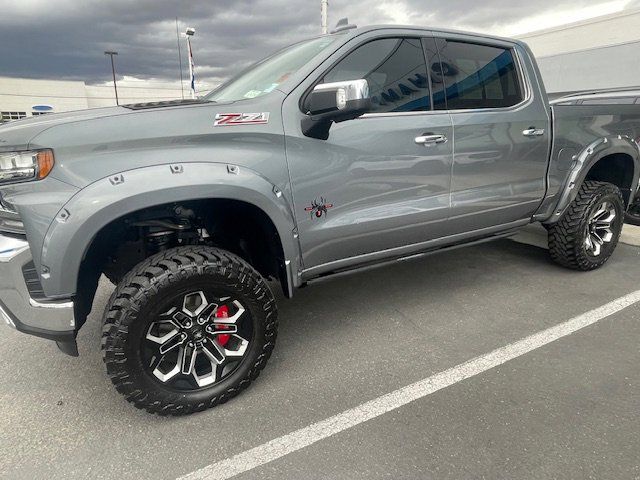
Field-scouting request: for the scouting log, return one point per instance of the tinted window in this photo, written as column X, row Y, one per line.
column 395, row 70
column 479, row 76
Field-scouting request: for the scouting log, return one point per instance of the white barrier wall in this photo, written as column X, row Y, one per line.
column 598, row 53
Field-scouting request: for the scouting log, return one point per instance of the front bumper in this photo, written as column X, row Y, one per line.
column 53, row 320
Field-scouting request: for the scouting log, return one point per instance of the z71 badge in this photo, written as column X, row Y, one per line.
column 223, row 119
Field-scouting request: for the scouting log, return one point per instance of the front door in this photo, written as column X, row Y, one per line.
column 377, row 184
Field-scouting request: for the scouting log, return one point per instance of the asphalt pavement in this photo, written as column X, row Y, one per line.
column 566, row 410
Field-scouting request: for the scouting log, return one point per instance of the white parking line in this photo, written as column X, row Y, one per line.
column 311, row 434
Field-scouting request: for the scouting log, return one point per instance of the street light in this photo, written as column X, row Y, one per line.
column 190, row 32
column 113, row 71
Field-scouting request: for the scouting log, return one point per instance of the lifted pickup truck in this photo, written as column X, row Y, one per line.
column 363, row 146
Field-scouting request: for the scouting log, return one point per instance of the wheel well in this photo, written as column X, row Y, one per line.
column 233, row 225
column 616, row 169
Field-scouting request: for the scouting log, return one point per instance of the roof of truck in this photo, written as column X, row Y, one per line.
column 367, row 28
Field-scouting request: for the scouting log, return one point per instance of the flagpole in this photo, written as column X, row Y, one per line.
column 190, row 32
column 180, row 59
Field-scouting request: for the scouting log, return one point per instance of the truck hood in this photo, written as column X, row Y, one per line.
column 92, row 144
column 18, row 134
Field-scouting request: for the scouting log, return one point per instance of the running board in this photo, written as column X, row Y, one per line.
column 381, row 263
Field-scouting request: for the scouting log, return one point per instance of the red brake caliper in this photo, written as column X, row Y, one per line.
column 222, row 312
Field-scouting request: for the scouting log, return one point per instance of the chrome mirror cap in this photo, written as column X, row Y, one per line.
column 346, row 91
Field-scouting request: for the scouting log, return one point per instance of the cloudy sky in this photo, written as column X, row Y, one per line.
column 65, row 39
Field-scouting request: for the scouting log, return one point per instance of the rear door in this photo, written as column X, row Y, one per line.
column 501, row 129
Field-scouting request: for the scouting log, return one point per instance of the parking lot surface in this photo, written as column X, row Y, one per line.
column 566, row 410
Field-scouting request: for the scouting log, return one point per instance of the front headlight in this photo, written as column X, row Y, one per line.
column 25, row 166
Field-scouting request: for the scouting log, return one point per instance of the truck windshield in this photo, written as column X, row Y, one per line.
column 267, row 75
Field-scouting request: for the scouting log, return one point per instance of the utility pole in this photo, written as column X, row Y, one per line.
column 324, row 7
column 180, row 59
column 113, row 71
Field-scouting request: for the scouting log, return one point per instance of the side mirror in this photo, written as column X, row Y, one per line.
column 334, row 102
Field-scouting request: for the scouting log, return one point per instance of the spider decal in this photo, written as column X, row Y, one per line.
column 318, row 208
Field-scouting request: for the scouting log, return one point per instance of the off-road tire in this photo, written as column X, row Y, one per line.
column 148, row 282
column 567, row 236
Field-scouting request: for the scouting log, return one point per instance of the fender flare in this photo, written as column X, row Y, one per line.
column 76, row 225
column 587, row 158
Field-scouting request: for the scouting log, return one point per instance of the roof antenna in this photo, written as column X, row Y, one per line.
column 343, row 24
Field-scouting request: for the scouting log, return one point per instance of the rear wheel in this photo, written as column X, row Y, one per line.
column 188, row 329
column 588, row 232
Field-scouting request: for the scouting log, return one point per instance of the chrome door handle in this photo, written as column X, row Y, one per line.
column 428, row 140
column 533, row 132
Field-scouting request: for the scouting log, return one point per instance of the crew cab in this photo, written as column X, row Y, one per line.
column 367, row 145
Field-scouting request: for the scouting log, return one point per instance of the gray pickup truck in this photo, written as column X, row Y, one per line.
column 364, row 146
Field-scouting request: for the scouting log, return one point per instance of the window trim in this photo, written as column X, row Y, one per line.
column 523, row 78
column 417, row 36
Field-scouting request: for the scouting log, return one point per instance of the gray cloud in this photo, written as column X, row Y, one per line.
column 65, row 39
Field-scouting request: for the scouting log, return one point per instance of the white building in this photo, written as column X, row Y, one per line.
column 594, row 54
column 22, row 97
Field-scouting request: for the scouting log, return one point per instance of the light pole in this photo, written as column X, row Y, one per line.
column 190, row 33
column 113, row 71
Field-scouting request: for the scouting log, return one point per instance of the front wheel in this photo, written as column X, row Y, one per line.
column 187, row 329
column 588, row 232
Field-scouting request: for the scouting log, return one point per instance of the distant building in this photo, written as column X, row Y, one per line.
column 23, row 97
column 594, row 54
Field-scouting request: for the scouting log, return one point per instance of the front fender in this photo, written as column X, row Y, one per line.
column 79, row 221
column 587, row 158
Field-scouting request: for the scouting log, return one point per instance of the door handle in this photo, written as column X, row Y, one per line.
column 428, row 140
column 533, row 132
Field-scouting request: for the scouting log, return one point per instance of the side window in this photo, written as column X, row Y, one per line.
column 395, row 70
column 479, row 76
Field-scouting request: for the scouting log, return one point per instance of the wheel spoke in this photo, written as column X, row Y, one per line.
column 207, row 312
column 213, row 351
column 220, row 328
column 188, row 359
column 173, row 342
